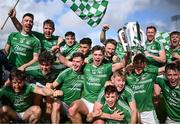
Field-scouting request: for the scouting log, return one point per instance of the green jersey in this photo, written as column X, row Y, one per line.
column 171, row 97
column 153, row 48
column 122, row 107
column 71, row 83
column 120, row 51
column 46, row 44
column 68, row 51
column 22, row 48
column 19, row 101
column 105, row 60
column 88, row 57
column 35, row 74
column 95, row 78
column 169, row 52
column 126, row 95
column 142, row 86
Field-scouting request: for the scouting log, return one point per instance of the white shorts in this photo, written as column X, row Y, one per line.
column 88, row 104
column 40, row 85
column 149, row 117
column 170, row 121
column 20, row 115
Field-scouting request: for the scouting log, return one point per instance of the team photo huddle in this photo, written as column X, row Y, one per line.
column 46, row 78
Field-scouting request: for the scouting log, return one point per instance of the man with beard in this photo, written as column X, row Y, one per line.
column 113, row 50
column 110, row 55
column 23, row 47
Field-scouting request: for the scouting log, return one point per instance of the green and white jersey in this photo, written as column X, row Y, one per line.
column 35, row 74
column 68, row 51
column 142, row 86
column 22, row 48
column 126, row 95
column 19, row 101
column 95, row 78
column 122, row 107
column 89, row 54
column 88, row 57
column 169, row 52
column 46, row 44
column 71, row 83
column 105, row 60
column 120, row 51
column 153, row 48
column 171, row 97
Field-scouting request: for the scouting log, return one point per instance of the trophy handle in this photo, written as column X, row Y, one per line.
column 123, row 39
column 132, row 37
column 143, row 39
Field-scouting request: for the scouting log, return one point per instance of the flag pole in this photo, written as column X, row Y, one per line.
column 8, row 15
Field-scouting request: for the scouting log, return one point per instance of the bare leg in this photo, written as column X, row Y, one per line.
column 76, row 109
column 76, row 119
column 55, row 115
column 95, row 114
column 4, row 118
column 98, row 121
column 32, row 114
column 9, row 112
column 49, row 102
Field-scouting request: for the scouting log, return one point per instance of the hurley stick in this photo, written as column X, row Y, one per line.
column 8, row 15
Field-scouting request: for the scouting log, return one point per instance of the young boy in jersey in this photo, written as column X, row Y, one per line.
column 173, row 50
column 19, row 93
column 169, row 86
column 142, row 80
column 71, row 82
column 69, row 45
column 48, row 40
column 41, row 73
column 125, row 95
column 114, row 108
column 85, row 48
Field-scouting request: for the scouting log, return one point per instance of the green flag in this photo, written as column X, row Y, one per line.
column 163, row 37
column 92, row 11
